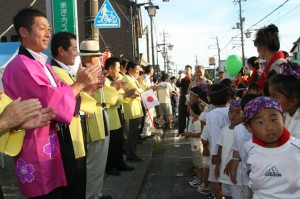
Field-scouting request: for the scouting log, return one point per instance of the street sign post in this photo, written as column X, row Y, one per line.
column 107, row 17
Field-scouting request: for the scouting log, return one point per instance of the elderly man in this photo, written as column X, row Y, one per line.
column 98, row 127
column 28, row 75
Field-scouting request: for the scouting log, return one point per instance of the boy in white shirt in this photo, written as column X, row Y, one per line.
column 215, row 121
column 194, row 132
column 229, row 190
column 241, row 136
column 197, row 95
column 273, row 156
column 164, row 98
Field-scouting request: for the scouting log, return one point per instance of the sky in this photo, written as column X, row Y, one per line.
column 192, row 26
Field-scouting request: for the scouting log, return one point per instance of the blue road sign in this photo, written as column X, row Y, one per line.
column 107, row 17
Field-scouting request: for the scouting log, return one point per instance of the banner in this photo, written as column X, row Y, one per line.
column 64, row 16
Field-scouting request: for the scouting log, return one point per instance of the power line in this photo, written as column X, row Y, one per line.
column 257, row 22
column 268, row 14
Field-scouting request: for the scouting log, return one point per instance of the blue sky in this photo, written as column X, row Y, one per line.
column 193, row 25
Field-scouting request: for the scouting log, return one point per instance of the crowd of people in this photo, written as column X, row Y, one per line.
column 71, row 127
column 244, row 133
column 74, row 127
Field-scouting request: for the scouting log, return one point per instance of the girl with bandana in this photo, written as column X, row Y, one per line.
column 285, row 87
column 273, row 156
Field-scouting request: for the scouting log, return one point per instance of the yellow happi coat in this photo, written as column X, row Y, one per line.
column 133, row 108
column 11, row 141
column 96, row 123
column 88, row 105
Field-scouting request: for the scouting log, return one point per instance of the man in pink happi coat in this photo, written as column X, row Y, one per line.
column 39, row 165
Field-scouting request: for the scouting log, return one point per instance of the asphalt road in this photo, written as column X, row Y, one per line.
column 168, row 174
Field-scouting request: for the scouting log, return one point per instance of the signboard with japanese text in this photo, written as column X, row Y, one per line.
column 107, row 17
column 64, row 16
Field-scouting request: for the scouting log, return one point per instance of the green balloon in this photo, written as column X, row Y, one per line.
column 233, row 65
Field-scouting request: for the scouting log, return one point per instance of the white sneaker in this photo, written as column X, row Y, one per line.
column 196, row 183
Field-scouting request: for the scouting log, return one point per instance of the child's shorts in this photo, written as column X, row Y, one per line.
column 233, row 191
column 207, row 160
column 212, row 177
column 246, row 192
column 198, row 159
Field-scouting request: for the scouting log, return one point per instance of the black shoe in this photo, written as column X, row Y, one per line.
column 113, row 171
column 126, row 168
column 135, row 159
column 178, row 134
column 139, row 141
column 142, row 138
column 150, row 136
column 105, row 197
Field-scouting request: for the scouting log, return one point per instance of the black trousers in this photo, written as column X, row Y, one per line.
column 55, row 194
column 133, row 134
column 75, row 168
column 182, row 115
column 1, row 193
column 115, row 155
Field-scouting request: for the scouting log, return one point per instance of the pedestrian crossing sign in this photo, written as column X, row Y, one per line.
column 107, row 17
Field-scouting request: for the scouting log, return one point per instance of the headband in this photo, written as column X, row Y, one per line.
column 259, row 104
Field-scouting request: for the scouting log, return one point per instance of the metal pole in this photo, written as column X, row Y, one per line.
column 133, row 33
column 147, row 43
column 156, row 55
column 242, row 34
column 165, row 52
column 137, row 41
column 94, row 12
column 219, row 54
column 152, row 40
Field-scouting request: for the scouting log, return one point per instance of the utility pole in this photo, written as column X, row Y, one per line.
column 219, row 53
column 133, row 35
column 164, row 50
column 152, row 40
column 147, row 43
column 94, row 12
column 196, row 56
column 242, row 19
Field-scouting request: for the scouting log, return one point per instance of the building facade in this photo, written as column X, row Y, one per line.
column 120, row 41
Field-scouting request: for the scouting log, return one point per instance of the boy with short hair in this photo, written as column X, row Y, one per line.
column 229, row 190
column 273, row 155
column 215, row 121
column 164, row 94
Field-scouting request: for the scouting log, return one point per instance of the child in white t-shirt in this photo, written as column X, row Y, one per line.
column 229, row 190
column 198, row 97
column 207, row 161
column 273, row 156
column 241, row 136
column 215, row 121
column 193, row 133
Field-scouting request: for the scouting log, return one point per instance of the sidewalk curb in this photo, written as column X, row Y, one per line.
column 137, row 179
column 128, row 184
